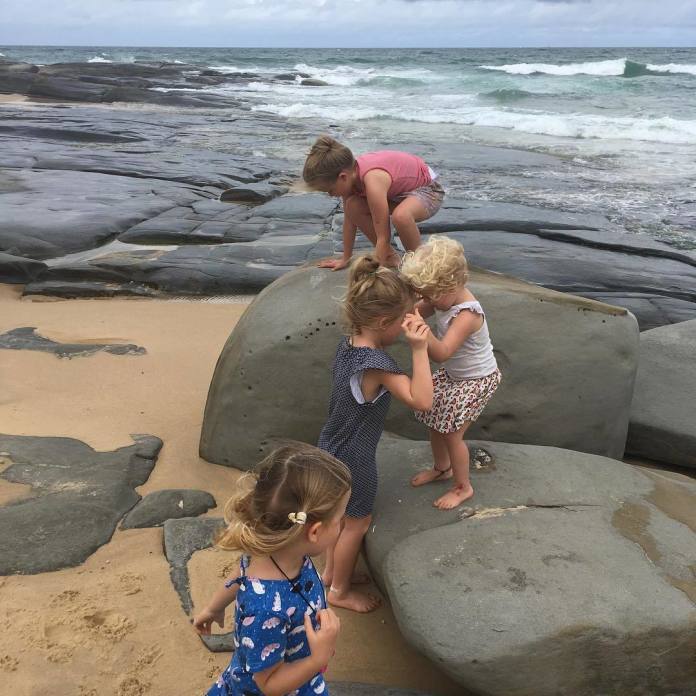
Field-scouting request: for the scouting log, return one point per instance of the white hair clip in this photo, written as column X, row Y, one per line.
column 297, row 517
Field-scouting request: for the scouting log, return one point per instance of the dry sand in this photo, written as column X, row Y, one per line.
column 114, row 625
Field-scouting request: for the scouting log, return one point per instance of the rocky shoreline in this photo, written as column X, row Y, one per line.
column 109, row 200
column 112, row 186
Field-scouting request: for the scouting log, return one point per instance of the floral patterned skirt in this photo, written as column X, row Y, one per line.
column 456, row 401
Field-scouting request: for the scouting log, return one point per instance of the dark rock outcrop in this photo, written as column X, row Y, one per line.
column 26, row 338
column 78, row 496
column 168, row 504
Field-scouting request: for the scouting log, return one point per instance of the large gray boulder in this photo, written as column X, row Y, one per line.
column 568, row 367
column 562, row 577
column 663, row 412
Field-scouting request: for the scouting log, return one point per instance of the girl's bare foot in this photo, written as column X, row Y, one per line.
column 357, row 579
column 429, row 475
column 354, row 600
column 454, row 497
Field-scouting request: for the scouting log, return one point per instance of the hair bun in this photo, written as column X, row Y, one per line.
column 363, row 269
column 324, row 144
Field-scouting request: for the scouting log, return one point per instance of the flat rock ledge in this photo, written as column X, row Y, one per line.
column 26, row 338
column 77, row 498
column 167, row 504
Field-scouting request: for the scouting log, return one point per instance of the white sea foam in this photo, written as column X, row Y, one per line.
column 99, row 59
column 577, row 125
column 673, row 68
column 602, row 67
column 347, row 75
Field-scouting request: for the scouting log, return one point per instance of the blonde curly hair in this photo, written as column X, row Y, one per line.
column 436, row 268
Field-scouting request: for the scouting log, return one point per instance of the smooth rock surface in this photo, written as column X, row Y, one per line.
column 563, row 576
column 568, row 366
column 26, row 338
column 182, row 538
column 78, row 496
column 663, row 413
column 167, row 504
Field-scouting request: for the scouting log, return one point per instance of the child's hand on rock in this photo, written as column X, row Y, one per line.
column 203, row 622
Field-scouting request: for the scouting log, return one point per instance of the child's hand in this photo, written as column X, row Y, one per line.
column 203, row 622
column 322, row 643
column 416, row 330
column 334, row 264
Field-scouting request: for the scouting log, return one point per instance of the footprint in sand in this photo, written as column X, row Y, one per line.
column 131, row 583
column 64, row 598
column 109, row 624
column 8, row 663
column 132, row 685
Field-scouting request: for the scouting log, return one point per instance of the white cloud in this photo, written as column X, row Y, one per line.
column 349, row 22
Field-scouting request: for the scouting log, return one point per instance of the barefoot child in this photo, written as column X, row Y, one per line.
column 374, row 187
column 469, row 375
column 284, row 634
column 364, row 377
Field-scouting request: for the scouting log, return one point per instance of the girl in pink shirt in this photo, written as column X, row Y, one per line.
column 374, row 187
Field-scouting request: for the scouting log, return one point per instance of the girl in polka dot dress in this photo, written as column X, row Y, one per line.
column 469, row 375
column 284, row 633
column 364, row 378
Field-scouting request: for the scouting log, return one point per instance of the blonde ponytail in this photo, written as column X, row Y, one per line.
column 294, row 478
column 376, row 295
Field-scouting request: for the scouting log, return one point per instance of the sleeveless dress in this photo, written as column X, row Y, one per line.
column 466, row 382
column 355, row 425
column 269, row 628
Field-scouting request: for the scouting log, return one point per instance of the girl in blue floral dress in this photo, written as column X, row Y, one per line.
column 284, row 633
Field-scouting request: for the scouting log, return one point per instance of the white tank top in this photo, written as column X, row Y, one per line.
column 474, row 358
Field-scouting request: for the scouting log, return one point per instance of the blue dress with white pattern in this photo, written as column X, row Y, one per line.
column 269, row 628
column 354, row 426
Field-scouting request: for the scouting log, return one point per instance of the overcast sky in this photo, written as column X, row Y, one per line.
column 378, row 23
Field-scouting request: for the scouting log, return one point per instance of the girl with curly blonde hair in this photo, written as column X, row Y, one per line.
column 469, row 375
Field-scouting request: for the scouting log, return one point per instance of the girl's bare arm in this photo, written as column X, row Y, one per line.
column 460, row 328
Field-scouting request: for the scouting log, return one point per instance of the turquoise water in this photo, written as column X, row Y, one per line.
column 632, row 111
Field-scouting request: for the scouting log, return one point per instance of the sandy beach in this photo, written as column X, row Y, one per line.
column 114, row 625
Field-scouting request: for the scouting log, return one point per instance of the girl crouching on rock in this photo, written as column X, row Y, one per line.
column 364, row 377
column 469, row 375
column 375, row 187
column 284, row 633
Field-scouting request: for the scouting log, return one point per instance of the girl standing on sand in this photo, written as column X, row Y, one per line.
column 284, row 633
column 374, row 187
column 364, row 377
column 469, row 375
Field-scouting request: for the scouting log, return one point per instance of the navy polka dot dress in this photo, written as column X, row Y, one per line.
column 354, row 426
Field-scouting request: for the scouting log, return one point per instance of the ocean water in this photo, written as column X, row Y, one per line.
column 628, row 113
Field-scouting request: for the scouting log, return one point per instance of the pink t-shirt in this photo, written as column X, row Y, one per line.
column 407, row 171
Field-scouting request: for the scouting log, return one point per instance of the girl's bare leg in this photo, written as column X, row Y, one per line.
column 442, row 468
column 459, row 456
column 327, row 575
column 345, row 556
column 358, row 211
column 405, row 216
